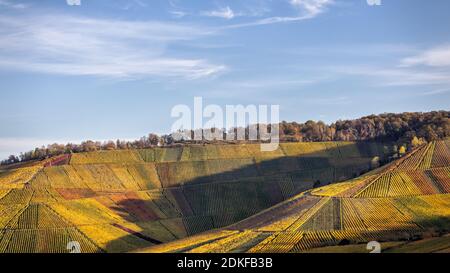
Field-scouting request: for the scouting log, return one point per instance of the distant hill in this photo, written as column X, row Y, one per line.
column 406, row 129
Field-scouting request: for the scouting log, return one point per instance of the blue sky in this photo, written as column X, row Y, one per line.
column 114, row 69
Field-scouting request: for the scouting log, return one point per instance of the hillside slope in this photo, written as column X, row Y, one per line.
column 401, row 201
column 118, row 201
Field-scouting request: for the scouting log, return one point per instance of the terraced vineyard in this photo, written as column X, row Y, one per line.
column 406, row 199
column 119, row 201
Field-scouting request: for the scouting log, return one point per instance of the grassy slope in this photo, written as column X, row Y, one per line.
column 122, row 200
column 430, row 245
column 404, row 200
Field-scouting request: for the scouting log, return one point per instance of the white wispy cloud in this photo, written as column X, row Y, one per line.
column 436, row 57
column 225, row 13
column 71, row 45
column 141, row 4
column 178, row 13
column 9, row 4
column 306, row 9
column 73, row 2
column 311, row 8
column 422, row 68
column 265, row 21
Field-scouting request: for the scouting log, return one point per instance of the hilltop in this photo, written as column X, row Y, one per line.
column 405, row 129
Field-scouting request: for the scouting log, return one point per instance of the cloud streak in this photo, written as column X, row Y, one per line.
column 225, row 13
column 71, row 45
column 421, row 68
column 436, row 57
column 9, row 4
column 310, row 8
column 306, row 9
